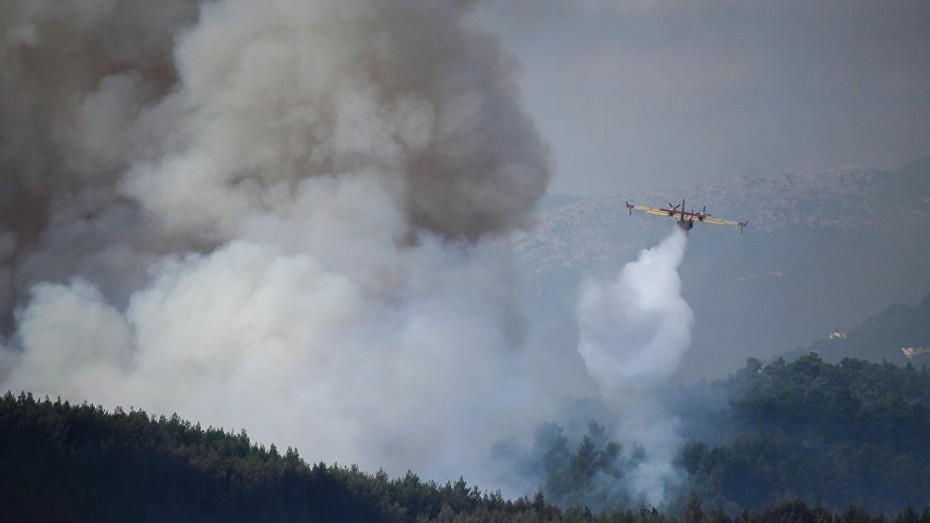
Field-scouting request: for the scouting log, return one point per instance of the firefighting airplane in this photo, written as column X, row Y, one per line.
column 685, row 219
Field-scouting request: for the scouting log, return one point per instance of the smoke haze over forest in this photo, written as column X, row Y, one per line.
column 291, row 217
column 287, row 216
column 299, row 217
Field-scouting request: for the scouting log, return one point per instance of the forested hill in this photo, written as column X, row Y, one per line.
column 852, row 432
column 74, row 463
column 63, row 462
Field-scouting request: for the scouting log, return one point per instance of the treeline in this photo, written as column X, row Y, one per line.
column 64, row 462
column 807, row 440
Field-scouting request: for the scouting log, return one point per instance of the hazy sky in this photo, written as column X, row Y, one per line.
column 639, row 94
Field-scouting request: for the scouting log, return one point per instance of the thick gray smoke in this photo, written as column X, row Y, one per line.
column 634, row 332
column 286, row 215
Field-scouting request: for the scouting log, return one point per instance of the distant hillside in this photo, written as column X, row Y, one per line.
column 899, row 334
column 822, row 249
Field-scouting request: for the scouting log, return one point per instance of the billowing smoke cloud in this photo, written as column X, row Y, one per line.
column 288, row 216
column 634, row 331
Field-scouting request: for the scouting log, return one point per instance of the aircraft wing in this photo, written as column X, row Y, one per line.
column 648, row 210
column 717, row 221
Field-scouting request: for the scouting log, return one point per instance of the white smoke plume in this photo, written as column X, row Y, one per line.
column 289, row 216
column 634, row 331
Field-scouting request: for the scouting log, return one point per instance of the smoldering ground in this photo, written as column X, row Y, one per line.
column 289, row 216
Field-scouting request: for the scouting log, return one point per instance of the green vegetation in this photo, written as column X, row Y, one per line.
column 853, row 432
column 810, row 442
column 592, row 475
column 63, row 462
